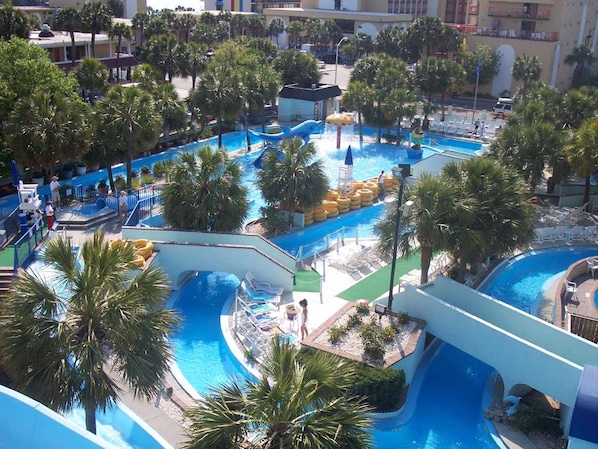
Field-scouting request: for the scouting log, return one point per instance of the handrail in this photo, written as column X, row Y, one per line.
column 143, row 209
column 10, row 225
column 327, row 242
column 36, row 234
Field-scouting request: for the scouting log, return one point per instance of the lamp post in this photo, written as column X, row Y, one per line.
column 396, row 172
column 336, row 60
column 478, row 67
column 224, row 22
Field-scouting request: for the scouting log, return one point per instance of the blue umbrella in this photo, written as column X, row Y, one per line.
column 349, row 156
column 15, row 173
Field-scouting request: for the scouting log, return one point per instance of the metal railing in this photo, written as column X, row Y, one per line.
column 25, row 246
column 323, row 244
column 10, row 226
column 144, row 209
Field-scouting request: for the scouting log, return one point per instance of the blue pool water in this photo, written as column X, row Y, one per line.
column 201, row 352
column 446, row 399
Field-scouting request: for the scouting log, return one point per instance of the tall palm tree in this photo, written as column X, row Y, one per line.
column 294, row 31
column 262, row 84
column 356, row 97
column 295, row 181
column 68, row 19
column 172, row 110
column 425, row 225
column 292, row 405
column 92, row 76
column 95, row 17
column 44, row 128
column 527, row 69
column 580, row 57
column 186, row 23
column 61, row 339
column 205, row 193
column 401, row 103
column 276, row 28
column 119, row 31
column 219, row 94
column 129, row 117
column 428, row 32
column 14, row 23
column 139, row 21
column 582, row 154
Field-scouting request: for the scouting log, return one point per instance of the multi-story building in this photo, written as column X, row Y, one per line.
column 550, row 29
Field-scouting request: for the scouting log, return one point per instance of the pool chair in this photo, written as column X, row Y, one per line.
column 592, row 265
column 576, row 234
column 256, row 308
column 252, row 295
column 571, row 288
column 263, row 322
column 262, row 286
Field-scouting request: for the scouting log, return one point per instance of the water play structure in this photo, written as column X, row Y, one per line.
column 302, row 130
column 339, row 120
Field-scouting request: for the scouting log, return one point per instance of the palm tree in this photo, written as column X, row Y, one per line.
column 139, row 21
column 119, row 31
column 196, row 63
column 95, row 17
column 292, row 405
column 129, row 117
column 276, row 28
column 186, row 22
column 172, row 110
column 582, row 154
column 428, row 32
column 402, row 105
column 219, row 94
column 297, row 67
column 426, row 224
column 296, row 180
column 44, row 128
column 62, row 340
column 294, row 31
column 163, row 52
column 68, row 19
column 262, row 84
column 205, row 193
column 92, row 77
column 526, row 69
column 580, row 57
column 356, row 97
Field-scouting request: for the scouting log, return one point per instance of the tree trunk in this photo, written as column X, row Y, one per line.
column 117, row 61
column 129, row 166
column 399, row 131
column 426, row 258
column 93, row 44
column 73, row 48
column 586, row 191
column 462, row 270
column 90, row 418
column 219, row 132
column 360, row 124
column 110, row 176
column 442, row 105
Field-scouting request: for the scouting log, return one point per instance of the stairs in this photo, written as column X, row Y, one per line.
column 6, row 278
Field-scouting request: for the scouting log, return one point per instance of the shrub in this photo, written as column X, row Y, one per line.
column 403, row 318
column 354, row 321
column 381, row 387
column 134, row 173
column 372, row 345
column 335, row 333
column 388, row 334
column 362, row 309
column 274, row 220
column 145, row 170
column 526, row 418
column 119, row 182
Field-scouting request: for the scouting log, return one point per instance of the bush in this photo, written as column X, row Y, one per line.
column 145, row 170
column 362, row 309
column 354, row 321
column 274, row 220
column 134, row 173
column 120, row 183
column 526, row 418
column 335, row 333
column 381, row 387
column 403, row 318
column 388, row 334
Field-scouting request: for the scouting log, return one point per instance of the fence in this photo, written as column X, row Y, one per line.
column 25, row 246
column 144, row 209
column 9, row 227
column 328, row 241
column 585, row 327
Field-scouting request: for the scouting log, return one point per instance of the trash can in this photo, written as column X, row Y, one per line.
column 23, row 222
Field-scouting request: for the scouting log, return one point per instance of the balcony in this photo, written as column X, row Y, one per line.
column 514, row 34
column 519, row 13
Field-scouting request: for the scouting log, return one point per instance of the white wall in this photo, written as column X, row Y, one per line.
column 369, row 29
column 502, row 81
column 436, row 162
column 290, row 110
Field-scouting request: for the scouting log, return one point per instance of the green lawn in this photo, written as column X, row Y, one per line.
column 376, row 284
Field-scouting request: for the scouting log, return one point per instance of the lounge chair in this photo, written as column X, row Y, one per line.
column 262, row 286
column 592, row 265
column 571, row 287
column 251, row 295
column 257, row 308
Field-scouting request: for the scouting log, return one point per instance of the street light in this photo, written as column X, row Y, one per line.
column 224, row 22
column 396, row 172
column 336, row 60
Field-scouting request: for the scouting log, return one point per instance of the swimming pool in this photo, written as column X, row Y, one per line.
column 450, row 388
column 201, row 352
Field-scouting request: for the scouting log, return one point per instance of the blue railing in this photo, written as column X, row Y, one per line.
column 145, row 208
column 25, row 246
column 9, row 227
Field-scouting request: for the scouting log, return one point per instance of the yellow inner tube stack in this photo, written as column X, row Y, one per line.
column 319, row 213
column 344, row 204
column 143, row 248
column 332, row 195
column 139, row 260
column 388, row 181
column 308, row 217
column 357, row 185
column 367, row 197
column 355, row 201
column 331, row 208
column 373, row 186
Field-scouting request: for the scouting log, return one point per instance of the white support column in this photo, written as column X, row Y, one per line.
column 595, row 36
column 555, row 65
column 582, row 25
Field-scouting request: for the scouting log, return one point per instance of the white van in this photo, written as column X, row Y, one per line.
column 504, row 106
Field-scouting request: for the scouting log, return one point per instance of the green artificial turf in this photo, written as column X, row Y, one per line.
column 376, row 284
column 307, row 281
column 7, row 256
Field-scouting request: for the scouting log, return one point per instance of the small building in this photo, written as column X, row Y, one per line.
column 298, row 102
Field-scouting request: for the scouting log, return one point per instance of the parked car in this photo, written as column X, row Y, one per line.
column 504, row 106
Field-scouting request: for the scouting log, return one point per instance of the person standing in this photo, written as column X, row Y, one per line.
column 122, row 207
column 55, row 192
column 381, row 189
column 50, row 215
column 304, row 332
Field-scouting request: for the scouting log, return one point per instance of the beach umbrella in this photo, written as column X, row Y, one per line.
column 349, row 156
column 15, row 173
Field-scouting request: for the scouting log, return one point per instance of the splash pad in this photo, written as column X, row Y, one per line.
column 340, row 124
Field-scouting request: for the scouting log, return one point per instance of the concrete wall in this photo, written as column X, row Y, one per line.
column 517, row 360
column 27, row 424
column 435, row 163
column 290, row 109
column 410, row 364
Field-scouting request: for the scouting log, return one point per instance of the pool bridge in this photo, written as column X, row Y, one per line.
column 525, row 350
